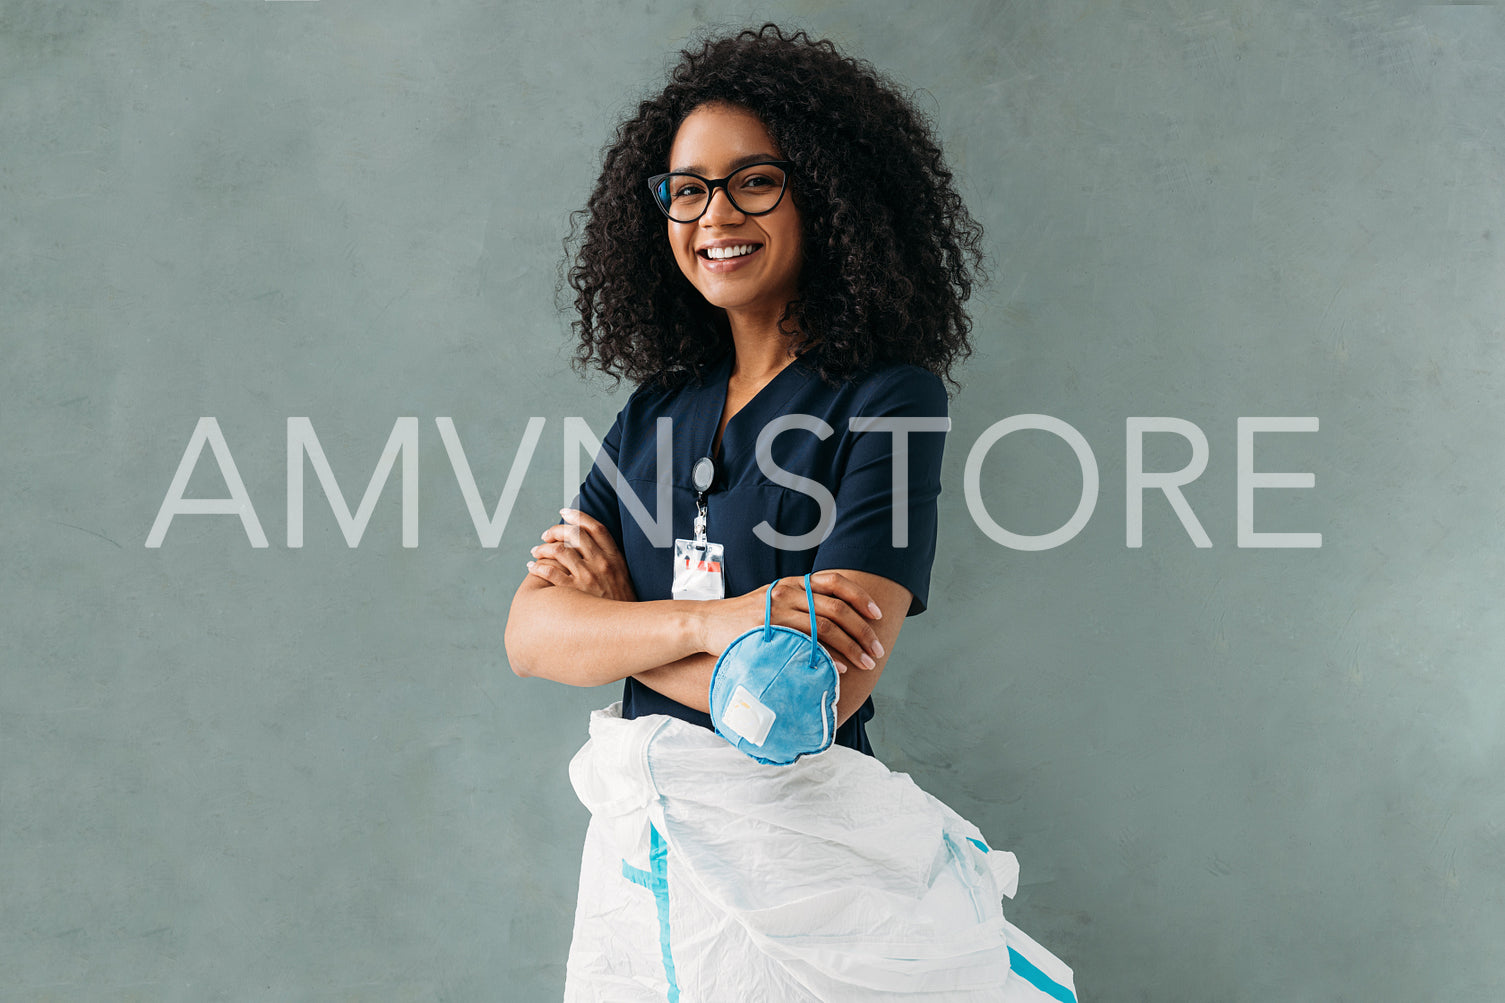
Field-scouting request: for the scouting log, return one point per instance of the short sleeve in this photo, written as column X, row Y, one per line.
column 866, row 535
column 598, row 493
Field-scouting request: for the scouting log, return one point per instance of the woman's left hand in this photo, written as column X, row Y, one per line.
column 581, row 554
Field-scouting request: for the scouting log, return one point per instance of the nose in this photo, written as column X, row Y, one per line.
column 723, row 209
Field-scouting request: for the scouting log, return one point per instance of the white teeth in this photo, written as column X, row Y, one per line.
column 718, row 253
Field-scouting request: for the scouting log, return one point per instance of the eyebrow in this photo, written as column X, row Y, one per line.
column 751, row 158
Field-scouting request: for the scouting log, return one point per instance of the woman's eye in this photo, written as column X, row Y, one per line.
column 686, row 189
column 757, row 181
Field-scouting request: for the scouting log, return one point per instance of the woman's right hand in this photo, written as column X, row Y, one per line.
column 842, row 614
column 581, row 553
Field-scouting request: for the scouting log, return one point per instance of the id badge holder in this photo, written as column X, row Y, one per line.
column 698, row 568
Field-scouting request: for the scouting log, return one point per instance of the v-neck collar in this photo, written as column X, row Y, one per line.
column 772, row 396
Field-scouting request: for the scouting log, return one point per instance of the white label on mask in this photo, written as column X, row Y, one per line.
column 748, row 716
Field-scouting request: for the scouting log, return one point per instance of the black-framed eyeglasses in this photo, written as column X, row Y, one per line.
column 753, row 190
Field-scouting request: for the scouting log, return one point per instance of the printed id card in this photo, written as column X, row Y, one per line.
column 697, row 570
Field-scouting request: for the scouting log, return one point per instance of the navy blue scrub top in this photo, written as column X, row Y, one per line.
column 856, row 467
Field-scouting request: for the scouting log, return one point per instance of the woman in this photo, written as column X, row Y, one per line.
column 773, row 249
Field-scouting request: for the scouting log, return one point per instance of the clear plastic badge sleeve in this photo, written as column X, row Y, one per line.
column 698, row 570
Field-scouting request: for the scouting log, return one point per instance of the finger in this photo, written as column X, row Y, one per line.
column 838, row 627
column 589, row 536
column 839, row 585
column 838, row 642
column 594, row 527
column 854, row 624
column 549, row 571
column 591, row 561
column 565, row 555
column 574, row 537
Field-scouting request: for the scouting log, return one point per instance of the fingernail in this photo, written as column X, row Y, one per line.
column 565, row 511
column 876, row 611
column 868, row 661
column 533, row 551
column 530, row 565
column 877, row 647
column 840, row 667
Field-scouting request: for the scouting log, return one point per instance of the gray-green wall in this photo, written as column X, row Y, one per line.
column 308, row 774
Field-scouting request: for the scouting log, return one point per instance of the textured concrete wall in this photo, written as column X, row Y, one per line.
column 229, row 772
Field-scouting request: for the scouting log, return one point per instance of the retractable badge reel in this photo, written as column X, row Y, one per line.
column 698, row 562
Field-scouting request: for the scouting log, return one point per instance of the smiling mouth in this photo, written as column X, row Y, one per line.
column 704, row 253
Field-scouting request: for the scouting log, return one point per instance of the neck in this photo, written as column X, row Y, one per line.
column 759, row 350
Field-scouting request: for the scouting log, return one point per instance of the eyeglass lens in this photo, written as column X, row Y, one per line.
column 753, row 189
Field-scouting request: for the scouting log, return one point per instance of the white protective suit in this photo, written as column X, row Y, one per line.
column 708, row 877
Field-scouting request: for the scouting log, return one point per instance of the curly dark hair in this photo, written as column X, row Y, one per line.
column 890, row 251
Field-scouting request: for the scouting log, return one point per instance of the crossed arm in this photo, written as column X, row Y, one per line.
column 575, row 619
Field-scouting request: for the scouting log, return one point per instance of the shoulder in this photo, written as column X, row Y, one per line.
column 897, row 390
column 901, row 389
column 658, row 396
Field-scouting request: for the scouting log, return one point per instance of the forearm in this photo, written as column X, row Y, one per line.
column 584, row 640
column 687, row 680
column 591, row 636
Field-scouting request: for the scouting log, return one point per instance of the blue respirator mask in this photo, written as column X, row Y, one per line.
column 774, row 690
